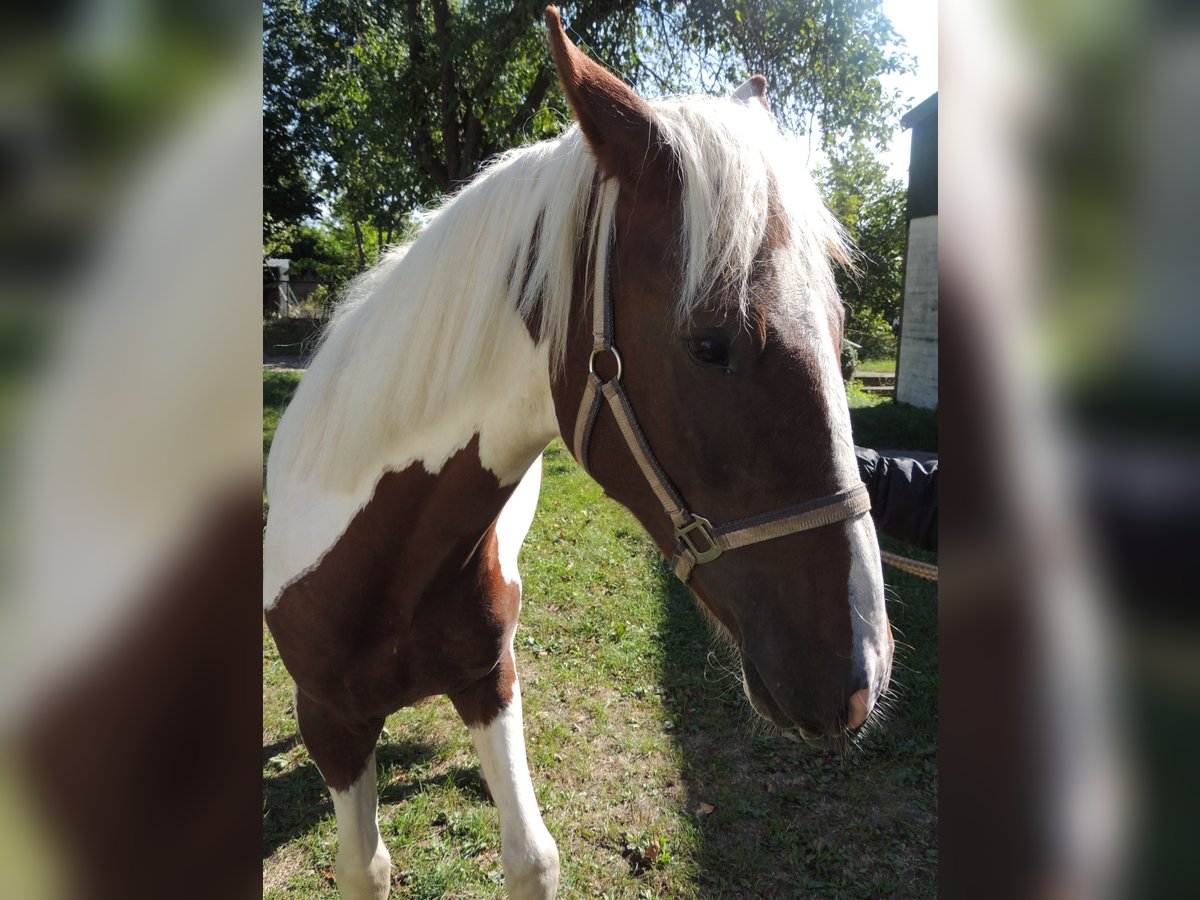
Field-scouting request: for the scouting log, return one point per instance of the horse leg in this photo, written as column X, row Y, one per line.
column 527, row 850
column 492, row 710
column 344, row 752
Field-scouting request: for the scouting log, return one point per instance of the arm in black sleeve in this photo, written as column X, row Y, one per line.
column 904, row 496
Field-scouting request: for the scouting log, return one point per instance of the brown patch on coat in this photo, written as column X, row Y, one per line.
column 409, row 602
column 534, row 317
column 778, row 232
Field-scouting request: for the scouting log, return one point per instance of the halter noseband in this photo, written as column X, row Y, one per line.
column 699, row 541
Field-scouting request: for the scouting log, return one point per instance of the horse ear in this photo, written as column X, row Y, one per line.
column 620, row 127
column 754, row 90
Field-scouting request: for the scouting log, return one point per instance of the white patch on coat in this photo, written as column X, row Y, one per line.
column 527, row 850
column 871, row 648
column 515, row 519
column 511, row 411
column 871, row 651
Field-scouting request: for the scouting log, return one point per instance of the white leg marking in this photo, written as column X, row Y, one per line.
column 364, row 868
column 527, row 850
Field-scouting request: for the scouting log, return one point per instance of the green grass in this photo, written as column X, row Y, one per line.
column 879, row 421
column 859, row 398
column 633, row 719
column 877, row 365
column 278, row 387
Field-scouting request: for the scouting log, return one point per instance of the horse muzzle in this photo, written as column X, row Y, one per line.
column 839, row 719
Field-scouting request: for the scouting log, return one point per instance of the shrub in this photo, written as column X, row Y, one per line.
column 850, row 360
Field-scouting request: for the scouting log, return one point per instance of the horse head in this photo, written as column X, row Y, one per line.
column 716, row 411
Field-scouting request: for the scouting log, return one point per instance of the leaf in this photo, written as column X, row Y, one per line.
column 359, row 101
column 704, row 809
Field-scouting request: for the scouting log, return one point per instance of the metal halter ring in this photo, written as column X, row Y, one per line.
column 684, row 536
column 597, row 352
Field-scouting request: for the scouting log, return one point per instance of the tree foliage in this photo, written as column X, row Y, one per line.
column 870, row 205
column 372, row 111
column 386, row 106
column 823, row 60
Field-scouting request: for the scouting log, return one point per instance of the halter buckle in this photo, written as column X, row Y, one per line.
column 596, row 352
column 683, row 534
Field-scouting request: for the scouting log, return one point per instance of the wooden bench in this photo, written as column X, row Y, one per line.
column 877, row 382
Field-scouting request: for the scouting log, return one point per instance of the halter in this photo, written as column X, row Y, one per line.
column 698, row 540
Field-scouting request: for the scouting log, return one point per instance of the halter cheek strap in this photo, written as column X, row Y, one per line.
column 698, row 540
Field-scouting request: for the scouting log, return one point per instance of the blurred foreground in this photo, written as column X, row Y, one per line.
column 129, row 446
column 130, row 440
column 1069, row 639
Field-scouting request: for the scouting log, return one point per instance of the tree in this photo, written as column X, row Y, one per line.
column 288, row 194
column 389, row 105
column 870, row 205
column 822, row 59
column 374, row 110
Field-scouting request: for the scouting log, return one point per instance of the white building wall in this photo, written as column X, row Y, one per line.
column 917, row 376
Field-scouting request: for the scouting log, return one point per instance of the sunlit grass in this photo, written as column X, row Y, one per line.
column 877, row 365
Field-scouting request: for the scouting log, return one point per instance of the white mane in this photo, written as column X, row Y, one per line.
column 733, row 156
column 416, row 331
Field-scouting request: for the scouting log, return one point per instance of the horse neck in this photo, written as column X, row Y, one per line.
column 462, row 459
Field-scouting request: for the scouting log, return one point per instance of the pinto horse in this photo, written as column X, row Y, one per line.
column 655, row 286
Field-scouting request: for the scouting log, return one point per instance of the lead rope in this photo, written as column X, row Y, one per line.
column 699, row 541
column 916, row 567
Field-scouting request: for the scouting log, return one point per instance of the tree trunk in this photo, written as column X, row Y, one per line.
column 451, row 127
column 358, row 245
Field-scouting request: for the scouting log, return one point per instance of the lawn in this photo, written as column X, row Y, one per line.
column 882, row 423
column 652, row 773
column 877, row 365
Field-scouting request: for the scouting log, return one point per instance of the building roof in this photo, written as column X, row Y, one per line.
column 922, row 111
column 922, row 120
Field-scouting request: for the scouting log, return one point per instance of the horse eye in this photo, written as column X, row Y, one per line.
column 709, row 351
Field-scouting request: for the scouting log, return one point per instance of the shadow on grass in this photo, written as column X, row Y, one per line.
column 291, row 337
column 280, row 746
column 296, row 800
column 896, row 426
column 771, row 816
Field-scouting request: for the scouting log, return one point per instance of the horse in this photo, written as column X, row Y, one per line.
column 656, row 287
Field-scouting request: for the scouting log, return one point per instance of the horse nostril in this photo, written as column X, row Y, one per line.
column 859, row 707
